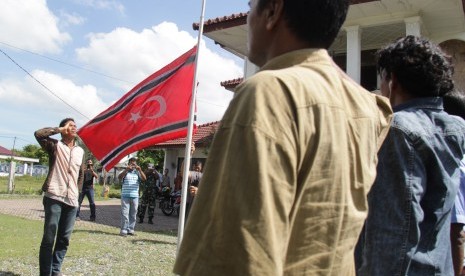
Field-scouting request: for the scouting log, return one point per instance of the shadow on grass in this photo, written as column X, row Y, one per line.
column 90, row 231
column 136, row 241
column 8, row 273
column 95, row 232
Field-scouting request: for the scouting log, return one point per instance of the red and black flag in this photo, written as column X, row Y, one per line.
column 154, row 111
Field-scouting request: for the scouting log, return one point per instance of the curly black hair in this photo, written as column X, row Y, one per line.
column 420, row 66
column 454, row 103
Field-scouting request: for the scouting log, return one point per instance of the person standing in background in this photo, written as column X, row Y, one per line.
column 149, row 193
column 131, row 178
column 454, row 104
column 178, row 182
column 166, row 179
column 61, row 191
column 88, row 190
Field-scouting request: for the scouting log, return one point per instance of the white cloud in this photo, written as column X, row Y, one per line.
column 132, row 56
column 123, row 53
column 103, row 5
column 28, row 97
column 31, row 26
column 71, row 19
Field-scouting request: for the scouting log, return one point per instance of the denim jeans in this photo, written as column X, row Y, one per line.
column 59, row 223
column 89, row 192
column 128, row 214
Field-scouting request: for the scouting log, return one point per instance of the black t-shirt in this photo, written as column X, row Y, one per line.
column 88, row 179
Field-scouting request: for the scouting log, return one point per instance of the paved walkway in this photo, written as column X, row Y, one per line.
column 107, row 213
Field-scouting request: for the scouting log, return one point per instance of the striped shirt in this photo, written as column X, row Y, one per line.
column 130, row 188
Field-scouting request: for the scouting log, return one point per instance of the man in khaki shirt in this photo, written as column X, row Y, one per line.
column 284, row 187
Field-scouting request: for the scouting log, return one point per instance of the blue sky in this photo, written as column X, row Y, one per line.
column 88, row 53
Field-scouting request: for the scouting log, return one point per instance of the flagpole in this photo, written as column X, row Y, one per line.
column 190, row 128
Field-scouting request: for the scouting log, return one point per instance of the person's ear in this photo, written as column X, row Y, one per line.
column 274, row 13
column 393, row 82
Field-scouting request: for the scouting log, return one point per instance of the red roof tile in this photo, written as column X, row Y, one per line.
column 222, row 22
column 238, row 19
column 231, row 84
column 4, row 151
column 201, row 138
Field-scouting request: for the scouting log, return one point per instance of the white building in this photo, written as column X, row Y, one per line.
column 370, row 24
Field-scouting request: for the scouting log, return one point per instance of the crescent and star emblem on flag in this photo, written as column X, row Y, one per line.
column 135, row 116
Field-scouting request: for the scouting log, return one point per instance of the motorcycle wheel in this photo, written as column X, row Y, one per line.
column 167, row 209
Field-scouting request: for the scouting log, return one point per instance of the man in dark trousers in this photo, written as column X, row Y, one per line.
column 60, row 193
column 88, row 190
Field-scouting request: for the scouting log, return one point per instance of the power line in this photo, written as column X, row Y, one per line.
column 43, row 85
column 78, row 67
column 18, row 138
column 207, row 102
column 65, row 63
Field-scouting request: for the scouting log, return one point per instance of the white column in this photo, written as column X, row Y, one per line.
column 32, row 169
column 413, row 26
column 354, row 52
column 249, row 68
column 11, row 178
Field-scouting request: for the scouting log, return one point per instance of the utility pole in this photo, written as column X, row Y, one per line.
column 11, row 179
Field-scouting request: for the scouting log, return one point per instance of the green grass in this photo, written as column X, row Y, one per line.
column 32, row 185
column 93, row 250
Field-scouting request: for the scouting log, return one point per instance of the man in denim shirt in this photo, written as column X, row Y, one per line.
column 454, row 104
column 407, row 231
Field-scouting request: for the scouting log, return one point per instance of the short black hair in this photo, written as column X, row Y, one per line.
column 65, row 121
column 315, row 21
column 420, row 66
column 454, row 103
column 132, row 159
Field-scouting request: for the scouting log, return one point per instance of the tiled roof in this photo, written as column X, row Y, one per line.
column 4, row 151
column 231, row 84
column 201, row 138
column 238, row 19
column 222, row 22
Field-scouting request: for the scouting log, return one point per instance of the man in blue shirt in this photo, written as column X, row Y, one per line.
column 131, row 178
column 407, row 231
column 454, row 104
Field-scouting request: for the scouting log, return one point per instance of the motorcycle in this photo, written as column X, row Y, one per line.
column 170, row 201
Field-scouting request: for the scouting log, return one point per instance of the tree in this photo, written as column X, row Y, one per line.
column 155, row 157
column 33, row 151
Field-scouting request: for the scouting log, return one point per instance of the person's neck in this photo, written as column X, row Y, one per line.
column 68, row 141
column 400, row 97
column 292, row 42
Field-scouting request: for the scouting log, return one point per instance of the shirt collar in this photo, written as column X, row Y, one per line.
column 296, row 57
column 424, row 103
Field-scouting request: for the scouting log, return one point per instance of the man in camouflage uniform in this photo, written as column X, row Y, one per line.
column 150, row 190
